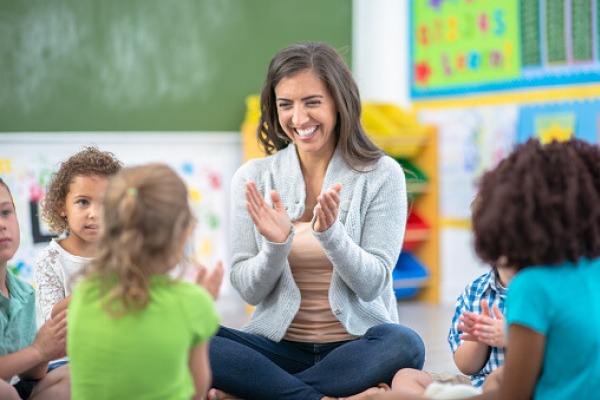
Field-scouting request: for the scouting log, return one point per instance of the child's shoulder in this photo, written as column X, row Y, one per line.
column 178, row 289
column 192, row 299
column 481, row 282
column 48, row 259
column 17, row 283
column 51, row 249
column 55, row 255
column 191, row 290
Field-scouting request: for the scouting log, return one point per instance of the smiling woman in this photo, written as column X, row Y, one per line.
column 317, row 228
column 307, row 115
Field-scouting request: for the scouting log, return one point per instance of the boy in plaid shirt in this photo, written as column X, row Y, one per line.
column 477, row 338
column 477, row 335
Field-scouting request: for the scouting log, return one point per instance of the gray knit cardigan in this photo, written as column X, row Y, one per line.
column 363, row 244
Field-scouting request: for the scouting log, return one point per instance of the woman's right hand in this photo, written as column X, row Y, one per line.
column 272, row 222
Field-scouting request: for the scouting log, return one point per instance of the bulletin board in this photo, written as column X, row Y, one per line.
column 468, row 46
column 206, row 161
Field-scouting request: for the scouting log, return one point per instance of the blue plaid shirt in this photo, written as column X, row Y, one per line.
column 484, row 287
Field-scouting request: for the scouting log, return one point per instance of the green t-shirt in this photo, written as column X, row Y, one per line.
column 144, row 354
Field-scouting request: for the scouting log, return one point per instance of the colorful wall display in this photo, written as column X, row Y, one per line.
column 460, row 46
column 471, row 140
column 474, row 139
column 205, row 161
column 560, row 120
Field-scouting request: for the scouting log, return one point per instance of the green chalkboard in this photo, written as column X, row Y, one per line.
column 148, row 65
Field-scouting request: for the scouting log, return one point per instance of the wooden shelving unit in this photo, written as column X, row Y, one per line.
column 403, row 137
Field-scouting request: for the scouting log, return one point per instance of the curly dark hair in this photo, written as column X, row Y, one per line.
column 356, row 147
column 88, row 162
column 540, row 205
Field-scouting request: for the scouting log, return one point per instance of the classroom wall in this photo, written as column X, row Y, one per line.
column 62, row 62
column 376, row 32
column 149, row 80
column 495, row 74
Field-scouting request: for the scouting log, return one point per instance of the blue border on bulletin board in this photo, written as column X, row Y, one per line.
column 531, row 77
column 585, row 112
column 583, row 77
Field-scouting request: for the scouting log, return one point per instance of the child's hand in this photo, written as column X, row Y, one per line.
column 51, row 338
column 211, row 280
column 483, row 328
column 489, row 330
column 467, row 324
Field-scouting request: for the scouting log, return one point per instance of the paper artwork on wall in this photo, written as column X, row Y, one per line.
column 471, row 141
column 206, row 162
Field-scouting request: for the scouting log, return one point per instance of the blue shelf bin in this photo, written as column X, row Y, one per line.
column 408, row 276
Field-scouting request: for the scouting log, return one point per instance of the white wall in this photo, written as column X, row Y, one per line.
column 380, row 50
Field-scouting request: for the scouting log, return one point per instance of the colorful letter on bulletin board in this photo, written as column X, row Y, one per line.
column 462, row 46
column 457, row 43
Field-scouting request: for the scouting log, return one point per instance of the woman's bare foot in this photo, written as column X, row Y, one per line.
column 216, row 394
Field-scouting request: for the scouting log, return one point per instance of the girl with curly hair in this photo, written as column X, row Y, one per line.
column 71, row 209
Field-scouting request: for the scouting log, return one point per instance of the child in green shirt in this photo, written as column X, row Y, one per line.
column 135, row 333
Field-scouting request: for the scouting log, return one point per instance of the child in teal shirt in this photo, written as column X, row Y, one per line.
column 24, row 351
column 539, row 214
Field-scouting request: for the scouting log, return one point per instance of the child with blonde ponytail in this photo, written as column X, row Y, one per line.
column 134, row 332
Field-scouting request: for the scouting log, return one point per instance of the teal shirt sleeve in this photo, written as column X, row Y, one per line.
column 527, row 301
column 17, row 316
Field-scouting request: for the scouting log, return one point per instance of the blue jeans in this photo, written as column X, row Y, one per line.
column 253, row 367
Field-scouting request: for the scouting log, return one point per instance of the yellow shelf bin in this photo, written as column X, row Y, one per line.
column 397, row 132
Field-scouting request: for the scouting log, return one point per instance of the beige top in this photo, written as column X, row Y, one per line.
column 314, row 322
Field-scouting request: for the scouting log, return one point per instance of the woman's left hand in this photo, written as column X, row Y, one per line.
column 328, row 205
